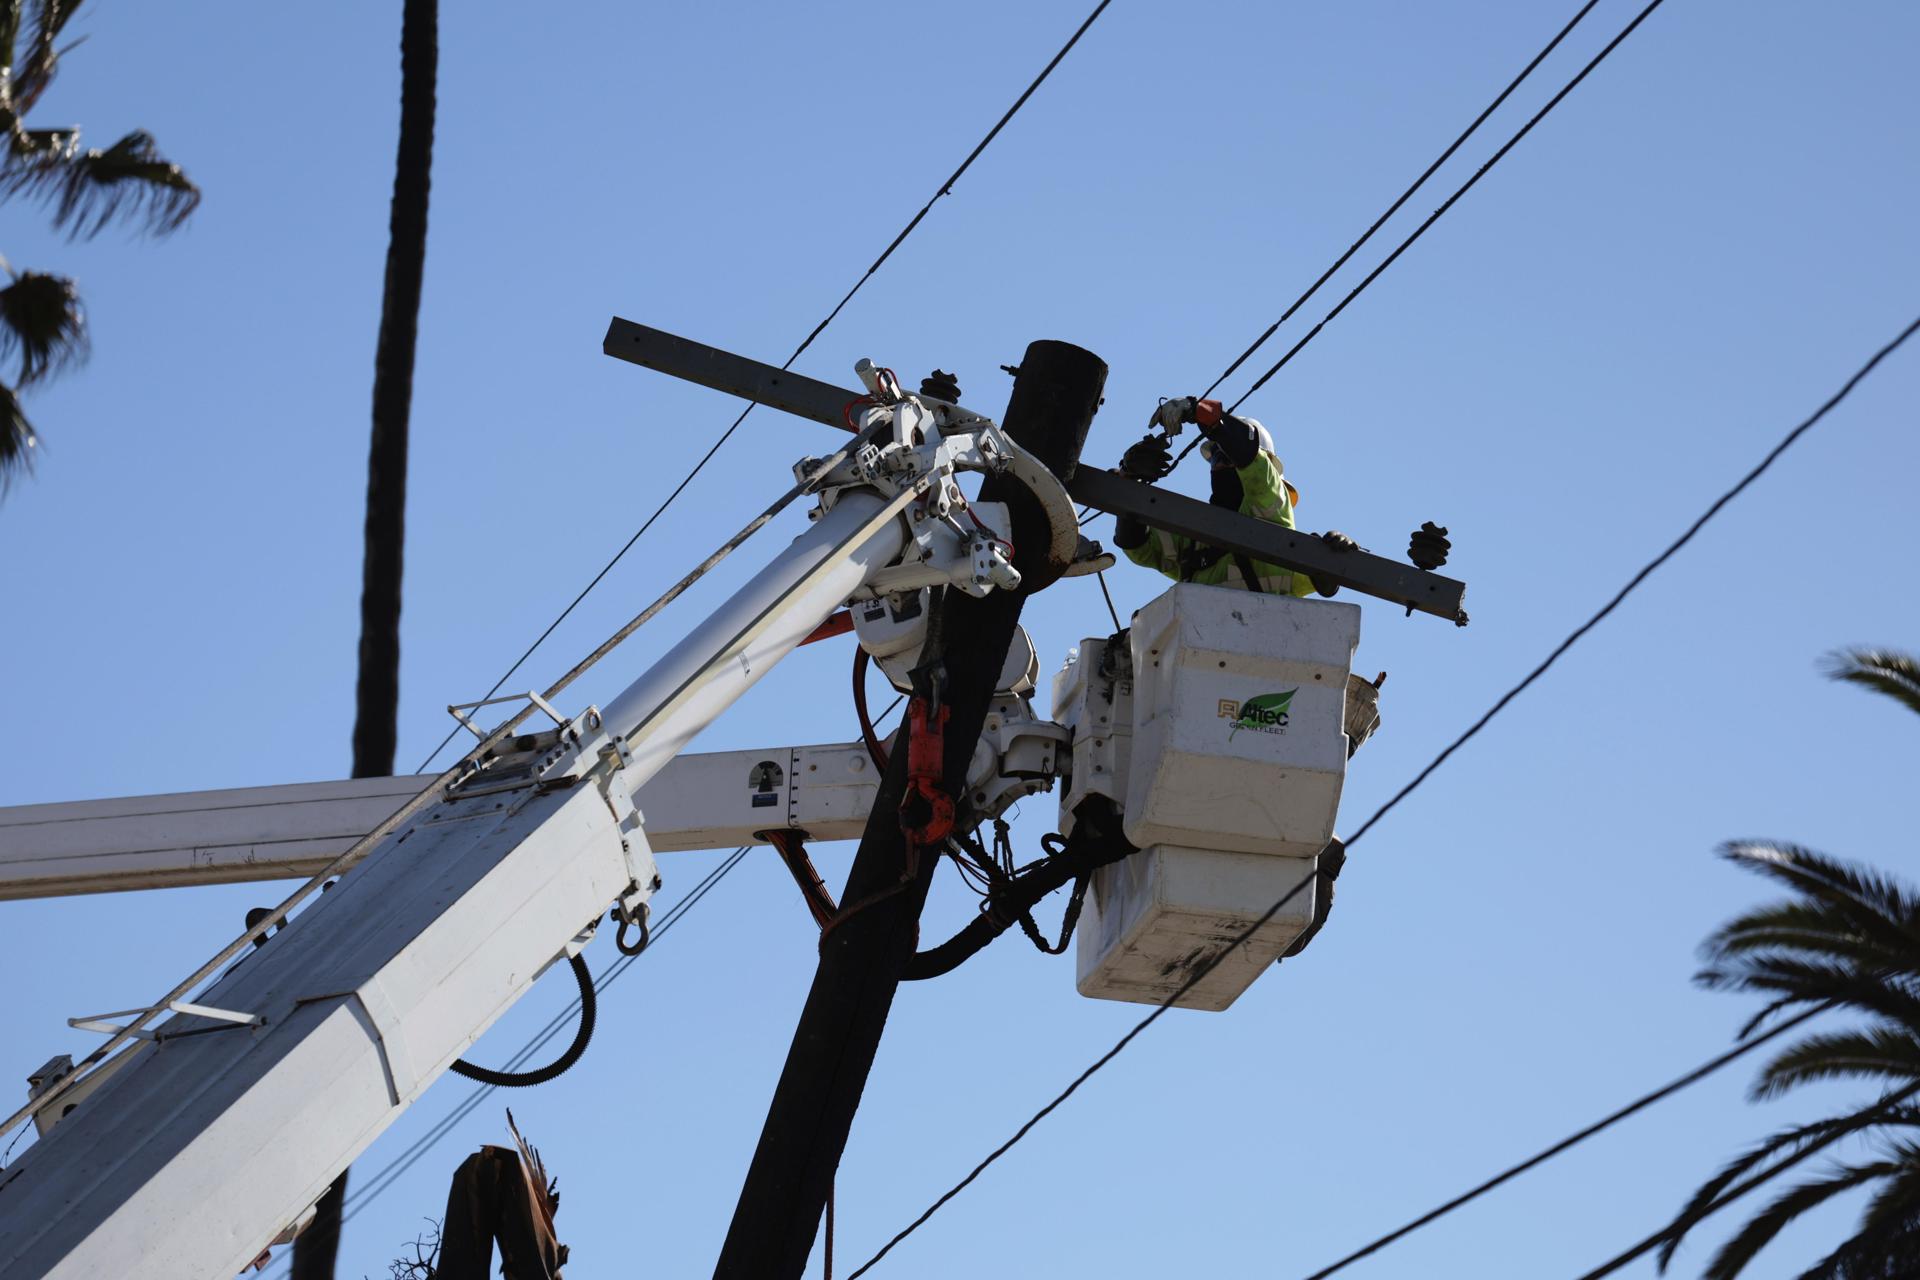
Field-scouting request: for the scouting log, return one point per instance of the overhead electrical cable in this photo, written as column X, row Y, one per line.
column 1406, row 195
column 1687, row 1220
column 1465, row 187
column 1572, row 1140
column 945, row 189
column 1208, row 966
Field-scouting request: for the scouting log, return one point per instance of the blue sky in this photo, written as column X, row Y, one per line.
column 1689, row 255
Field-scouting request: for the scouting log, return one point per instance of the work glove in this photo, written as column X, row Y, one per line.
column 1172, row 414
column 1339, row 542
column 1149, row 460
column 1429, row 546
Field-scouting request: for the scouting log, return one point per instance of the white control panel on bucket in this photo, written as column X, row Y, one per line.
column 1220, row 731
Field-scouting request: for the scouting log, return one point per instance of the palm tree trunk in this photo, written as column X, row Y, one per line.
column 377, row 698
column 377, row 705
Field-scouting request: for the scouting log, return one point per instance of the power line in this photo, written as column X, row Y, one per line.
column 397, row 1167
column 945, row 189
column 1574, row 1139
column 1406, row 195
column 1689, row 1218
column 1434, row 217
column 1214, row 961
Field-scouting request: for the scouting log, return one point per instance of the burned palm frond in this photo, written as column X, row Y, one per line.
column 546, row 1189
column 41, row 320
column 17, row 439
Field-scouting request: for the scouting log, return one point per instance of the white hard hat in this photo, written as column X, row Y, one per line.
column 1212, row 455
column 1215, row 458
column 1266, row 437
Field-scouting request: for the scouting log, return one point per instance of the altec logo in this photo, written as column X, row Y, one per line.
column 1266, row 713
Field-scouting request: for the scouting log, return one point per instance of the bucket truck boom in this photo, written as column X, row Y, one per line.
column 1202, row 751
column 225, row 1121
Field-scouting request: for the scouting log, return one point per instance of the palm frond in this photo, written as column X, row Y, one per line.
column 1885, row 671
column 17, row 439
column 1888, row 1253
column 1899, row 1200
column 1814, row 926
column 1824, row 878
column 37, row 148
column 33, row 70
column 1878, row 1053
column 9, row 30
column 1793, row 981
column 1878, row 906
column 41, row 319
column 1783, row 1146
column 1733, row 1256
column 129, row 179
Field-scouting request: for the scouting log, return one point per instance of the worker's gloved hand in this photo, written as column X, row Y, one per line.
column 1339, row 542
column 1172, row 414
column 1149, row 460
column 1429, row 546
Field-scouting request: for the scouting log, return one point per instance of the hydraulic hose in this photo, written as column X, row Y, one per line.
column 875, row 750
column 1096, row 841
column 523, row 1079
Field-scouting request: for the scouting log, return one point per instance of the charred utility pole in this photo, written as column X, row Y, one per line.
column 1056, row 391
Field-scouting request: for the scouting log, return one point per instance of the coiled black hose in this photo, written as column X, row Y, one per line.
column 522, row 1079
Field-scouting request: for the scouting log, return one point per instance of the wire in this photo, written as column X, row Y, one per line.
column 1207, row 966
column 1111, row 611
column 1434, row 217
column 1406, row 195
column 1686, row 1220
column 395, row 1168
column 945, row 189
column 1644, row 1101
column 605, row 569
column 1642, row 576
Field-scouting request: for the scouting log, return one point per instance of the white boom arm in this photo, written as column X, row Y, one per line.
column 712, row 800
column 226, row 1125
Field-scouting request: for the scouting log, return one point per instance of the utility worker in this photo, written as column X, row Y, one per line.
column 1246, row 476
